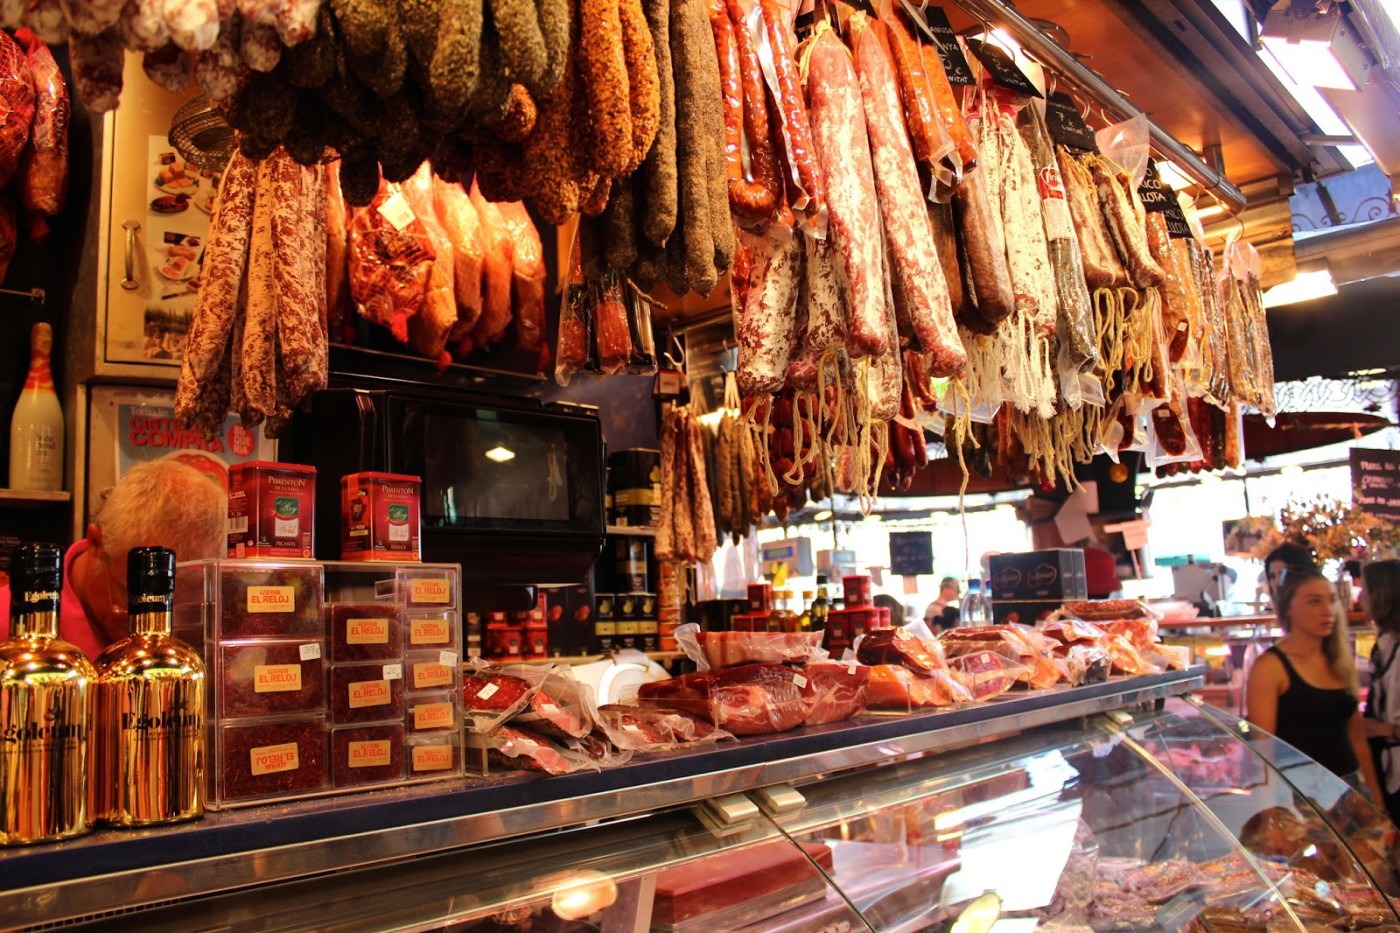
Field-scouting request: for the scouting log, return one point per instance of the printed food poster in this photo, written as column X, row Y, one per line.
column 180, row 202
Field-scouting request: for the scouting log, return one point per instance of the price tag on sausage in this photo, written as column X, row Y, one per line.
column 1002, row 67
column 1158, row 198
column 949, row 50
column 1066, row 125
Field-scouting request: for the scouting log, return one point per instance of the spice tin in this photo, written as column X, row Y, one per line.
column 379, row 516
column 271, row 510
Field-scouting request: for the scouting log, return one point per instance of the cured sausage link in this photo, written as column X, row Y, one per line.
column 767, row 317
column 853, row 217
column 758, row 131
column 810, row 194
column 915, row 272
column 750, row 201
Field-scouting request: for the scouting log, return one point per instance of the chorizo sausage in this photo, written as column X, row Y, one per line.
column 767, row 317
column 984, row 242
column 807, row 191
column 602, row 68
column 1120, row 216
column 643, row 82
column 751, row 202
column 758, row 130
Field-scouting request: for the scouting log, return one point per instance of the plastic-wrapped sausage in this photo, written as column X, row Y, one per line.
column 43, row 176
column 984, row 239
column 1028, row 258
column 751, row 200
column 806, row 187
column 915, row 273
column 765, row 324
column 1121, row 218
column 758, row 129
column 927, row 134
column 1181, row 302
column 949, row 110
column 853, row 216
column 1102, row 268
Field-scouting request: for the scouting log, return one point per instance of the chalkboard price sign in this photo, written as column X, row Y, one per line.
column 949, row 52
column 911, row 553
column 1159, row 198
column 1002, row 67
column 1066, row 124
column 1375, row 482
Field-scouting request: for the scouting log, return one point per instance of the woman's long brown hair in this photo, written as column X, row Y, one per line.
column 1336, row 647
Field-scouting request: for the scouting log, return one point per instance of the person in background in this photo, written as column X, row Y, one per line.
column 1304, row 689
column 164, row 502
column 943, row 612
column 1380, row 599
column 1286, row 556
column 893, row 605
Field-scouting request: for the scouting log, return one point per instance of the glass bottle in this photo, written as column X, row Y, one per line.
column 150, row 743
column 804, row 621
column 821, row 606
column 974, row 606
column 36, row 426
column 45, row 709
column 777, row 618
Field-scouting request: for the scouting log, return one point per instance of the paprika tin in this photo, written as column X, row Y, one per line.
column 379, row 516
column 271, row 510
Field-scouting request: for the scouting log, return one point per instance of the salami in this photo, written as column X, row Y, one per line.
column 842, row 146
column 602, row 65
column 1027, row 256
column 1102, row 268
column 751, row 200
column 658, row 191
column 643, row 82
column 984, row 243
column 766, row 319
column 1120, row 216
column 43, row 183
column 216, row 70
column 1181, row 302
column 915, row 273
column 259, row 46
column 692, row 253
column 217, row 301
column 259, row 358
column 299, row 255
column 706, row 539
column 807, row 188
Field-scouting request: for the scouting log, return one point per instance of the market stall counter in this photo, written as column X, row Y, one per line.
column 887, row 822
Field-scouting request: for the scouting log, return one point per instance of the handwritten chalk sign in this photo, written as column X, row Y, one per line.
column 1375, row 482
column 911, row 553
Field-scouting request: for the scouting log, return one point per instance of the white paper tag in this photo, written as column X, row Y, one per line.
column 799, row 680
column 487, row 692
column 310, row 651
column 393, row 672
column 851, row 668
column 396, row 210
column 448, row 657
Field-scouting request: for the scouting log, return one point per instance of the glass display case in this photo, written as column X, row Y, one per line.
column 1151, row 816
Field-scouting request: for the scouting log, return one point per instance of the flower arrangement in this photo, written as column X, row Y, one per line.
column 1332, row 530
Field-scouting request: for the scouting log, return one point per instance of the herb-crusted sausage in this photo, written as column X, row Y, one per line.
column 602, row 67
column 658, row 192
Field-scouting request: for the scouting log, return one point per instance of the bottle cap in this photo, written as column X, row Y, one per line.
column 150, row 571
column 38, row 578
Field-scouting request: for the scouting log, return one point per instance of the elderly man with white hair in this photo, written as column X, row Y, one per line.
column 167, row 502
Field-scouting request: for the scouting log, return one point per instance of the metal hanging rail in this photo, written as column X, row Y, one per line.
column 1036, row 43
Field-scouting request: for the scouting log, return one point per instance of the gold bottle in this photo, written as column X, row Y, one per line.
column 45, row 711
column 149, row 740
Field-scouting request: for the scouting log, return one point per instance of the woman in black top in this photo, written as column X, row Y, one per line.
column 1304, row 688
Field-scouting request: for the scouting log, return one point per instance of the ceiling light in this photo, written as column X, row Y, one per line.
column 822, row 516
column 1305, row 287
column 500, row 454
column 1172, row 176
column 1317, row 49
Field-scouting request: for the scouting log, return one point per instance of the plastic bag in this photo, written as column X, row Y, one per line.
column 896, row 646
column 712, row 650
column 558, row 705
column 463, row 226
column 755, row 699
column 527, row 275
column 896, row 688
column 645, row 728
column 490, row 697
column 1085, row 664
column 391, row 261
column 526, row 751
column 1128, row 144
column 986, row 674
column 429, row 329
column 833, row 692
column 1172, row 438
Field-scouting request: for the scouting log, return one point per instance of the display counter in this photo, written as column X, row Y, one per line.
column 885, row 823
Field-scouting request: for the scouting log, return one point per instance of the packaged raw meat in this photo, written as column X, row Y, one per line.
column 896, row 646
column 755, row 699
column 43, row 183
column 459, row 218
column 986, row 674
column 1140, row 633
column 527, row 275
column 833, row 691
column 561, row 707
column 895, row 687
column 496, row 272
column 491, row 697
column 525, row 751
column 646, row 728
column 711, row 650
column 391, row 261
column 1029, row 650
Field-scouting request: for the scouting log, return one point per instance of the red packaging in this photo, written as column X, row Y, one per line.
column 366, row 693
column 432, row 629
column 760, row 598
column 272, row 601
column 856, row 589
column 436, row 670
column 379, row 516
column 271, row 758
column 271, row 510
column 367, row 755
column 431, row 755
column 271, row 678
column 365, row 631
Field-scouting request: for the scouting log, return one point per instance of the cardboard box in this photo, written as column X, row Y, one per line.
column 1057, row 574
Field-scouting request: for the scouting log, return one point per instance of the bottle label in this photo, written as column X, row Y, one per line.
column 369, row 693
column 432, row 758
column 272, row 599
column 429, row 632
column 432, row 716
column 367, row 632
column 276, row 678
column 269, row 759
column 431, row 674
column 375, row 754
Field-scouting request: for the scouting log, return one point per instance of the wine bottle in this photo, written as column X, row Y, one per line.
column 150, row 742
column 45, row 709
column 36, row 427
